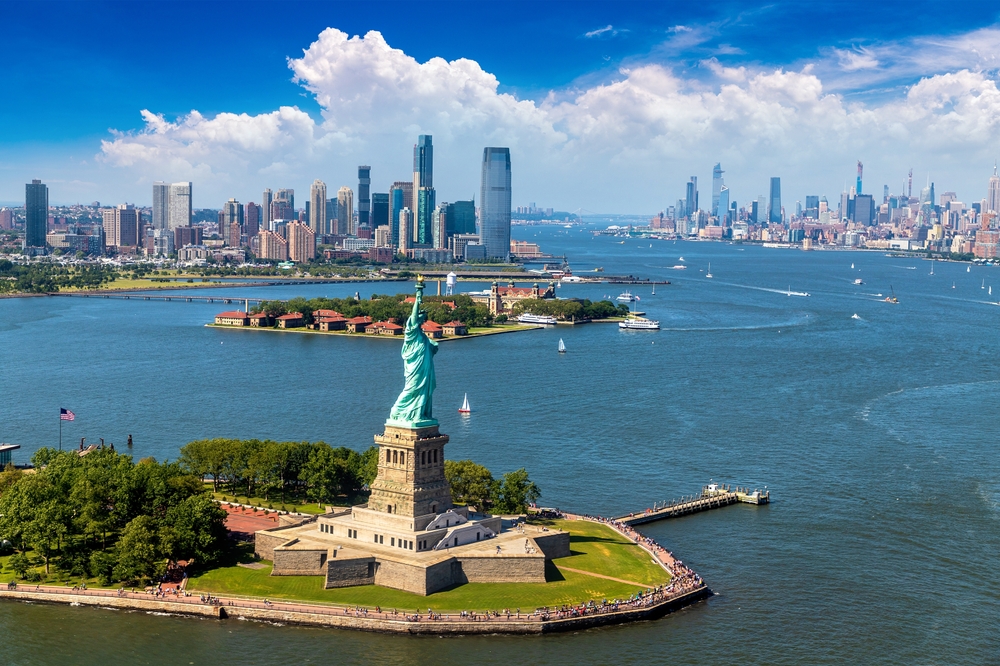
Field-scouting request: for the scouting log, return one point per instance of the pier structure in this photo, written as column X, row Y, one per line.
column 712, row 496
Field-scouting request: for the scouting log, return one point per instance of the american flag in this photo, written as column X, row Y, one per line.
column 66, row 415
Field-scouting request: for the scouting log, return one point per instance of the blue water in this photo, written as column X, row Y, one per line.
column 875, row 435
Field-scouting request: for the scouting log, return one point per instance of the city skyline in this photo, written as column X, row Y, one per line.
column 608, row 124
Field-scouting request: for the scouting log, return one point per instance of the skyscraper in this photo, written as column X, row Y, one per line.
column 345, row 211
column 439, row 227
column 400, row 197
column 380, row 210
column 288, row 196
column 812, row 206
column 265, row 205
column 424, row 232
column 301, row 242
column 120, row 226
column 691, row 197
column 36, row 214
column 716, row 189
column 231, row 222
column 494, row 202
column 774, row 205
column 722, row 206
column 993, row 195
column 171, row 205
column 364, row 189
column 251, row 216
column 423, row 163
column 317, row 207
column 461, row 218
column 405, row 222
column 861, row 168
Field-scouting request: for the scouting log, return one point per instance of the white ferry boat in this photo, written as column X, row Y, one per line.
column 545, row 320
column 625, row 297
column 635, row 323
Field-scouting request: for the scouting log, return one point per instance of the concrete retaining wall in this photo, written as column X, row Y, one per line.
column 336, row 618
column 348, row 572
column 553, row 545
column 487, row 569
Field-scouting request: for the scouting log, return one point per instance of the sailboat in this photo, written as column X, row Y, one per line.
column 892, row 299
column 952, row 285
column 983, row 286
column 968, row 269
column 465, row 409
column 654, row 291
column 852, row 265
column 562, row 347
column 709, row 273
column 932, row 269
column 991, row 290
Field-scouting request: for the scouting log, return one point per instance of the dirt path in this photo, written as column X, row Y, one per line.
column 596, row 575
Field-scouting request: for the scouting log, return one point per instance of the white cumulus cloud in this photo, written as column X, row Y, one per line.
column 626, row 144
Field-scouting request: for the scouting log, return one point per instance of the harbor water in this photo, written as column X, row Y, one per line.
column 875, row 435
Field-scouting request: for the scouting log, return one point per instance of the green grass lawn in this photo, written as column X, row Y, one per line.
column 142, row 283
column 595, row 548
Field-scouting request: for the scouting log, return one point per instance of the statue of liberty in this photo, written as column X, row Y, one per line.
column 413, row 406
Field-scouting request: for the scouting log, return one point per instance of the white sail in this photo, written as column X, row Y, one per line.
column 562, row 346
column 465, row 405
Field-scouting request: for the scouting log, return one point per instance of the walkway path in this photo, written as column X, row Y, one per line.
column 597, row 575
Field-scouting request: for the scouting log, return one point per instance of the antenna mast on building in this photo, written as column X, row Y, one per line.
column 909, row 184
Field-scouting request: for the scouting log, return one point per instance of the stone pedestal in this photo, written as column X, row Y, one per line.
column 411, row 481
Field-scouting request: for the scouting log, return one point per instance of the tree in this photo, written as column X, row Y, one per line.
column 470, row 483
column 194, row 529
column 19, row 564
column 516, row 491
column 323, row 474
column 209, row 457
column 137, row 551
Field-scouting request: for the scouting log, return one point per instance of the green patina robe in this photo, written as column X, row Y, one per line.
column 413, row 405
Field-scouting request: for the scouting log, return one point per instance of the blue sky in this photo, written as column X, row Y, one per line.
column 606, row 106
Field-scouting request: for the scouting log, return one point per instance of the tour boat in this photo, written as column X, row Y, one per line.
column 680, row 267
column 562, row 347
column 858, row 281
column 709, row 273
column 625, row 297
column 528, row 318
column 636, row 323
column 465, row 409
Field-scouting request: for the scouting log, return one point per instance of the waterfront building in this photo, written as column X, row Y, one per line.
column 233, row 318
column 265, row 204
column 494, row 201
column 345, row 212
column 291, row 320
column 717, row 190
column 774, row 215
column 36, row 216
column 121, row 226
column 364, row 201
column 317, row 207
column 272, row 246
column 301, row 242
column 501, row 300
column 461, row 217
column 405, row 224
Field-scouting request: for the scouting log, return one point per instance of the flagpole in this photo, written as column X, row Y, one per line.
column 60, row 431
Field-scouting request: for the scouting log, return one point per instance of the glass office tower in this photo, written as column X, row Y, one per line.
column 494, row 202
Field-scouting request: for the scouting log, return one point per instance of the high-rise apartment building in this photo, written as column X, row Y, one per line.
column 494, row 203
column 121, row 226
column 424, row 232
column 301, row 242
column 364, row 195
column 423, row 163
column 36, row 214
column 405, row 224
column 774, row 205
column 272, row 246
column 716, row 189
column 6, row 218
column 439, row 227
column 317, row 208
column 345, row 211
column 265, row 206
column 171, row 205
column 251, row 217
column 231, row 213
column 993, row 194
column 400, row 197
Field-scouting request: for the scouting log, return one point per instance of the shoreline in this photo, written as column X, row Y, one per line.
column 368, row 336
column 343, row 617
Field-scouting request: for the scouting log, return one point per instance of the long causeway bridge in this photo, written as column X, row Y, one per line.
column 712, row 496
column 173, row 297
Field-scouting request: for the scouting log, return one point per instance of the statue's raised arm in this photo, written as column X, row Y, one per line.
column 413, row 407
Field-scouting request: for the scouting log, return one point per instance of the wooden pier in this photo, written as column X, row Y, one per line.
column 712, row 496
